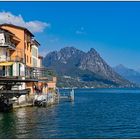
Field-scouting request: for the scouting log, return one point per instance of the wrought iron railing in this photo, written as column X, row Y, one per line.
column 9, row 44
column 31, row 73
column 39, row 73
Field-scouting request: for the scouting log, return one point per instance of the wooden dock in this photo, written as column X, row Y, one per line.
column 69, row 95
column 46, row 99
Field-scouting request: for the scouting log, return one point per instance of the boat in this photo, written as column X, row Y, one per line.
column 43, row 99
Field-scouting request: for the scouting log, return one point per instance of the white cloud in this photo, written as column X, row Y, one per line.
column 33, row 26
column 81, row 31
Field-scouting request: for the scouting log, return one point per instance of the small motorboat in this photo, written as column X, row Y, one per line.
column 43, row 100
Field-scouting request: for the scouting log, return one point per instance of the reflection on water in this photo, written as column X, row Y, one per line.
column 7, row 125
column 93, row 114
column 26, row 122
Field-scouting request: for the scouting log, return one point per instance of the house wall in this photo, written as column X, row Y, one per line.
column 29, row 53
column 35, row 55
column 2, row 38
column 20, row 46
column 51, row 84
column 22, row 69
column 28, row 49
column 4, row 54
column 18, row 69
column 23, row 48
column 30, row 85
column 39, row 64
column 15, row 69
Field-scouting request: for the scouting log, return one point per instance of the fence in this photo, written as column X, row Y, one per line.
column 39, row 73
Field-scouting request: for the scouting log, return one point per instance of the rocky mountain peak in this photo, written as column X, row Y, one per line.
column 92, row 50
column 69, row 51
column 68, row 54
column 73, row 62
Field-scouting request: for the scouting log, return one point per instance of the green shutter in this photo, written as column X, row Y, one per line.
column 11, row 70
column 19, row 69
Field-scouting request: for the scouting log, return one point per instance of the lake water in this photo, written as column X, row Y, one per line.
column 95, row 113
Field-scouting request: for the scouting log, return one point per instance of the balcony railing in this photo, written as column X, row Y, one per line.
column 7, row 44
column 2, row 59
column 39, row 73
column 30, row 73
column 13, row 59
column 17, row 59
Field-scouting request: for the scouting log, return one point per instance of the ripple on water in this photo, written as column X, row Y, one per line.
column 94, row 114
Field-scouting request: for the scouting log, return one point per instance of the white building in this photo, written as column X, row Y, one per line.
column 35, row 46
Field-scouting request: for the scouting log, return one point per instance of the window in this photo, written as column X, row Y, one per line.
column 27, row 58
column 30, row 48
column 6, row 54
column 34, row 52
column 30, row 60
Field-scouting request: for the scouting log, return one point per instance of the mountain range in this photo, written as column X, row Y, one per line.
column 127, row 73
column 76, row 68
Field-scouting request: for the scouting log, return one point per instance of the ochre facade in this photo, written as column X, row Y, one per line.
column 23, row 48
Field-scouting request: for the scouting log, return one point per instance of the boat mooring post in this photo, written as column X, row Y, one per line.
column 72, row 95
column 58, row 94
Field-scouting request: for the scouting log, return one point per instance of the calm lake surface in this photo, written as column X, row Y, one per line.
column 95, row 113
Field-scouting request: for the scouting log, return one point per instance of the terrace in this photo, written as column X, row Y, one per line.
column 31, row 74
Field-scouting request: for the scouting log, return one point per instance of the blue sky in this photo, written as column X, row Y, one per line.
column 112, row 28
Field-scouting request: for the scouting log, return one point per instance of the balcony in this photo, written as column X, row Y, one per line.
column 31, row 74
column 9, row 45
column 17, row 59
column 12, row 59
column 4, row 59
column 39, row 73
